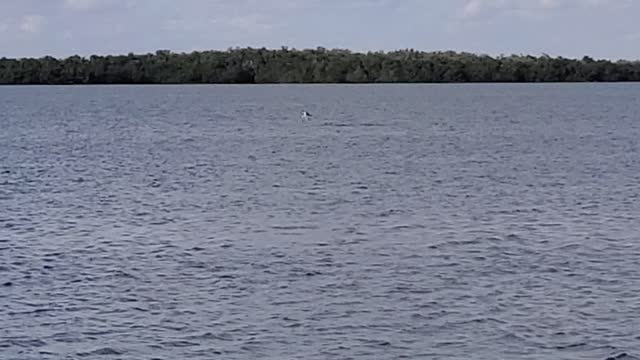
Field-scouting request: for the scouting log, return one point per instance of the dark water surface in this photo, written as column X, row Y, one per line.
column 402, row 221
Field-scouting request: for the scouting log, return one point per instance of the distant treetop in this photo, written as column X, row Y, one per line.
column 320, row 65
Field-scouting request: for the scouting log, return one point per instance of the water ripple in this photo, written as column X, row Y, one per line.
column 198, row 222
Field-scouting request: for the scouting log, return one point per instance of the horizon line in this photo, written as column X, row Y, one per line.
column 318, row 48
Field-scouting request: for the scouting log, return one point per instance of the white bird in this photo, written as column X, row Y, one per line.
column 305, row 115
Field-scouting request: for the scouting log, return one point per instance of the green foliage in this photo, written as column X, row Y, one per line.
column 248, row 65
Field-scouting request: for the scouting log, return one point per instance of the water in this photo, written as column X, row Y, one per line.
column 402, row 221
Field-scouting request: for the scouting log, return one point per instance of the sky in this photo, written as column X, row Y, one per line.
column 603, row 29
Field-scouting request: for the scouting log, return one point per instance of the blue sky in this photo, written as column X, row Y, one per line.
column 571, row 28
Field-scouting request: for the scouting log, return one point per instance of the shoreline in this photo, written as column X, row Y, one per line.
column 331, row 84
column 319, row 66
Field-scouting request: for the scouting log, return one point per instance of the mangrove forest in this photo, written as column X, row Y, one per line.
column 264, row 66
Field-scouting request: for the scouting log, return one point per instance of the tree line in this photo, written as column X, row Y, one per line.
column 263, row 66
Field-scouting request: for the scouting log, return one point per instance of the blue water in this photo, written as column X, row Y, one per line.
column 401, row 221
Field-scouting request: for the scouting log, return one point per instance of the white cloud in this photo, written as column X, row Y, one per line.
column 549, row 4
column 599, row 2
column 493, row 26
column 632, row 36
column 472, row 8
column 252, row 22
column 476, row 8
column 92, row 5
column 32, row 23
column 80, row 4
